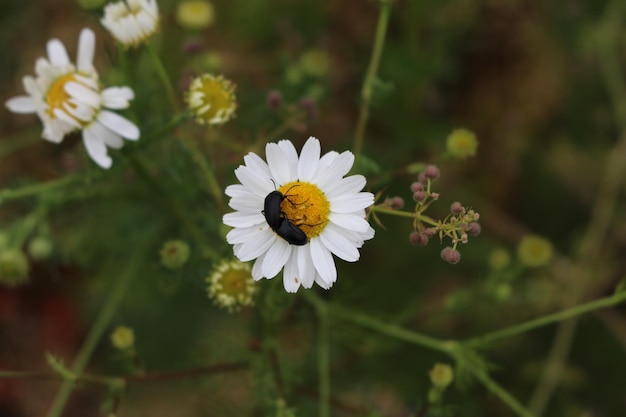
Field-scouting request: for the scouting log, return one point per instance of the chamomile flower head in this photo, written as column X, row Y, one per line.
column 131, row 22
column 231, row 286
column 211, row 99
column 319, row 213
column 69, row 97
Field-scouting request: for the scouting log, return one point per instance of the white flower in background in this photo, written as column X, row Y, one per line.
column 131, row 22
column 69, row 97
column 211, row 99
column 328, row 208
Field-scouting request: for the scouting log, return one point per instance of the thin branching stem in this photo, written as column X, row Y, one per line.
column 370, row 75
column 102, row 322
column 529, row 325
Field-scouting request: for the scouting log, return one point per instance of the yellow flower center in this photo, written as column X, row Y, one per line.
column 212, row 99
column 306, row 206
column 235, row 282
column 57, row 95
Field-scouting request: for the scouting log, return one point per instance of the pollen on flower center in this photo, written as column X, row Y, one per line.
column 58, row 98
column 306, row 206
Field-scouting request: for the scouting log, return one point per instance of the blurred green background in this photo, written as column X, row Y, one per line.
column 525, row 76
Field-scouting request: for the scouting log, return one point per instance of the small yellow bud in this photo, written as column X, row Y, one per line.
column 174, row 254
column 461, row 143
column 315, row 63
column 123, row 337
column 499, row 259
column 195, row 14
column 40, row 248
column 441, row 375
column 534, row 251
column 13, row 267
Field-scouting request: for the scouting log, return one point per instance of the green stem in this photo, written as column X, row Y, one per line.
column 212, row 185
column 555, row 363
column 610, row 301
column 500, row 392
column 173, row 206
column 162, row 74
column 369, row 322
column 324, row 363
column 419, row 216
column 370, row 76
column 29, row 190
column 100, row 324
column 18, row 140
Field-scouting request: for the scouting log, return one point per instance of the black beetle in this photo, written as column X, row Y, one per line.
column 279, row 223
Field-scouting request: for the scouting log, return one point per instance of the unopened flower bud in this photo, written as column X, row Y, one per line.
column 13, row 267
column 462, row 143
column 417, row 186
column 430, row 232
column 431, row 172
column 123, row 337
column 419, row 196
column 418, row 238
column 441, row 375
column 310, row 108
column 195, row 14
column 474, row 229
column 274, row 100
column 434, row 196
column 422, row 178
column 452, row 256
column 39, row 248
column 457, row 208
column 174, row 254
column 534, row 251
column 395, row 203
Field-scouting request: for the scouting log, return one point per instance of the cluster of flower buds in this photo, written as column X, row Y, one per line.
column 461, row 223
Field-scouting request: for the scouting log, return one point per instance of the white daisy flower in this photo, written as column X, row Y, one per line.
column 69, row 97
column 131, row 22
column 320, row 213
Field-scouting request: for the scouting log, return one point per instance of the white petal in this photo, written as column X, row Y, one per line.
column 238, row 219
column 290, row 275
column 320, row 281
column 256, row 246
column 86, row 51
column 323, row 261
column 350, row 203
column 96, row 149
column 277, row 161
column 78, row 110
column 254, row 181
column 338, row 244
column 254, row 162
column 305, row 266
column 21, row 104
column 119, row 124
column 347, row 185
column 292, row 156
column 256, row 268
column 335, row 171
column 349, row 221
column 117, row 97
column 246, row 204
column 309, row 159
column 107, row 136
column 83, row 94
column 276, row 257
column 57, row 53
column 243, row 234
column 65, row 117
